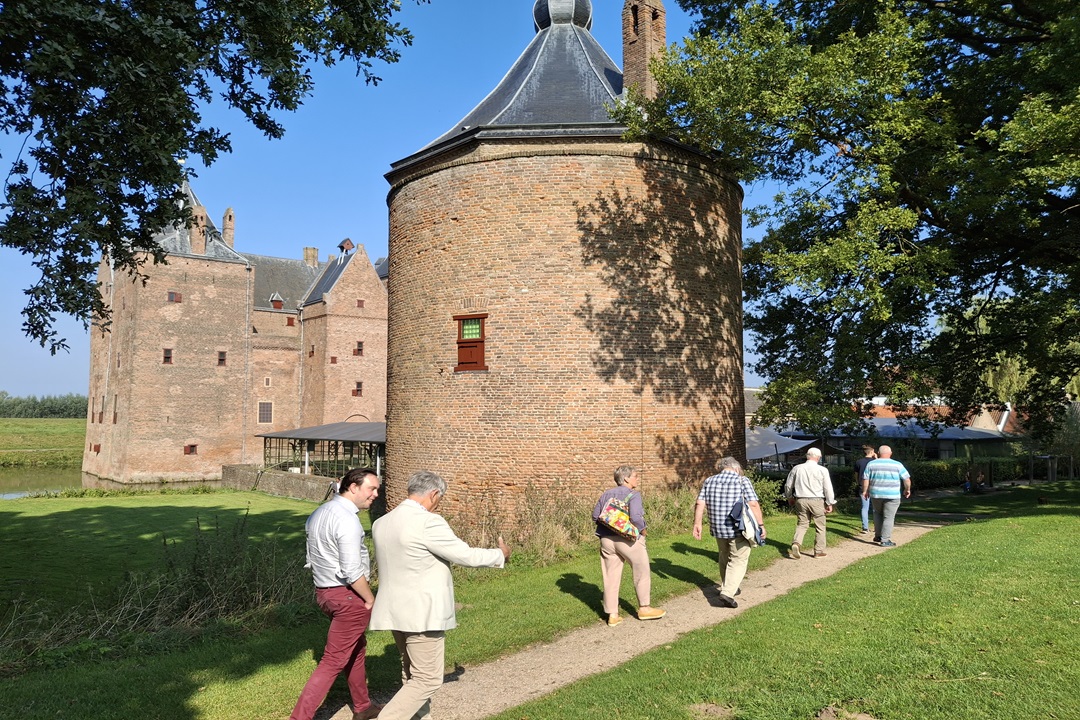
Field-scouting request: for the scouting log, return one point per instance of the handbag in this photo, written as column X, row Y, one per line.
column 616, row 517
column 745, row 522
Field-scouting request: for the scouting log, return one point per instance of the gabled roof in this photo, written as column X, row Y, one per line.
column 330, row 275
column 284, row 276
column 562, row 78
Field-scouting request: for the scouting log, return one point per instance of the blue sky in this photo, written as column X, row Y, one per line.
column 324, row 181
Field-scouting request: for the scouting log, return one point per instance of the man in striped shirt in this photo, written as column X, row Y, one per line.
column 884, row 481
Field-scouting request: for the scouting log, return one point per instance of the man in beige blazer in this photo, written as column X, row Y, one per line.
column 414, row 548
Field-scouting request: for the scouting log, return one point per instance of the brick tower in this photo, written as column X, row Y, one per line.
column 561, row 301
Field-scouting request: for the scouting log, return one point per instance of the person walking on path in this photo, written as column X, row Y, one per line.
column 883, row 482
column 414, row 548
column 809, row 490
column 616, row 550
column 340, row 568
column 718, row 495
column 860, row 466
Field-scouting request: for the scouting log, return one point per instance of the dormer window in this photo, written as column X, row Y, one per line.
column 277, row 302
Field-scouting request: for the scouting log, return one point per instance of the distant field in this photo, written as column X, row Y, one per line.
column 41, row 443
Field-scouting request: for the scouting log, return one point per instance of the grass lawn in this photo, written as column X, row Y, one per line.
column 42, row 442
column 904, row 634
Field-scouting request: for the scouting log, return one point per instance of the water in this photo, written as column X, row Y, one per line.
column 17, row 482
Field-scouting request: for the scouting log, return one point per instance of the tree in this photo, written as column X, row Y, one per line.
column 107, row 96
column 928, row 156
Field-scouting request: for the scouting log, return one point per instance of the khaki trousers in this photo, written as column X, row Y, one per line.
column 807, row 509
column 614, row 551
column 422, row 664
column 734, row 557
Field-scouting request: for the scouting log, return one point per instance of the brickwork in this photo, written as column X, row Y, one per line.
column 644, row 35
column 610, row 276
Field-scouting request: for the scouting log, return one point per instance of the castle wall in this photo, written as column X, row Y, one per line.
column 610, row 277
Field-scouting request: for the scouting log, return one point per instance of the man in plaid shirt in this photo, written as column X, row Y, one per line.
column 719, row 494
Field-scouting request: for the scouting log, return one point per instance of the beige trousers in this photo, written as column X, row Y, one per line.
column 614, row 551
column 807, row 509
column 734, row 557
column 422, row 664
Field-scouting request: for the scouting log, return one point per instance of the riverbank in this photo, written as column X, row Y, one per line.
column 42, row 443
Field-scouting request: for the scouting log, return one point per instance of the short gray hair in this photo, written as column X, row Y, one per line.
column 422, row 482
column 623, row 473
column 729, row 463
column 813, row 452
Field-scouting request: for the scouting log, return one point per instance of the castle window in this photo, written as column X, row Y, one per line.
column 333, row 359
column 191, row 449
column 360, row 303
column 311, row 352
column 175, row 297
column 266, row 382
column 290, row 321
column 266, row 413
column 114, row 401
column 166, row 356
column 97, row 448
column 221, row 358
column 359, row 349
column 358, row 391
column 101, row 412
column 470, row 342
column 93, row 409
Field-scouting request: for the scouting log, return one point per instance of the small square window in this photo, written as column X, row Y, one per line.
column 359, row 349
column 359, row 303
column 175, row 297
column 97, row 448
column 333, row 359
column 166, row 356
column 358, row 391
column 470, row 342
column 191, row 449
column 266, row 413
column 290, row 321
column 221, row 358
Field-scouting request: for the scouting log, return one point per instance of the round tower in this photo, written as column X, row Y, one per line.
column 561, row 301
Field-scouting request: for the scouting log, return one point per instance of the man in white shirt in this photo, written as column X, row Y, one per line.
column 809, row 489
column 414, row 548
column 340, row 568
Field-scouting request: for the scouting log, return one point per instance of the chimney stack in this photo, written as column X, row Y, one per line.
column 311, row 257
column 644, row 35
column 228, row 227
column 198, row 230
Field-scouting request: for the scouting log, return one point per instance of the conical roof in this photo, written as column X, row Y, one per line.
column 563, row 77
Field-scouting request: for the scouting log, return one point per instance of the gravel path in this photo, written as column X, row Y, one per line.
column 484, row 690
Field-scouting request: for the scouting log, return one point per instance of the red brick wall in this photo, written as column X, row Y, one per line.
column 610, row 273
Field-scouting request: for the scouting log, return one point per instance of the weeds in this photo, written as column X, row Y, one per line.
column 219, row 583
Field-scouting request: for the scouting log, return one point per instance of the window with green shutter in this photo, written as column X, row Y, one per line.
column 470, row 342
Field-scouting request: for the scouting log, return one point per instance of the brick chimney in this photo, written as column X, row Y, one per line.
column 198, row 230
column 311, row 257
column 644, row 35
column 228, row 227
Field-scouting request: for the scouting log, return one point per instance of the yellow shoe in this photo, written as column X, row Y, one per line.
column 613, row 620
column 650, row 613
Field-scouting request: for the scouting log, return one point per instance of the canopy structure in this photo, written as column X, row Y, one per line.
column 764, row 443
column 326, row 450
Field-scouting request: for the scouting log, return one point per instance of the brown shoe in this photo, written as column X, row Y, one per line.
column 371, row 711
column 821, row 554
column 613, row 620
column 650, row 613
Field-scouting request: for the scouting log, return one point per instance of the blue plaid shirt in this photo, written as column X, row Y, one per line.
column 720, row 492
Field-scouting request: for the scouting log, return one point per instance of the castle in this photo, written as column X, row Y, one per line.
column 218, row 347
column 559, row 301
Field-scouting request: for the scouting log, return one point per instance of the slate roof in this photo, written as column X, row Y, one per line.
column 287, row 277
column 330, row 275
column 365, row 432
column 177, row 241
column 562, row 83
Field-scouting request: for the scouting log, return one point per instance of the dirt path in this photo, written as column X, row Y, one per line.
column 486, row 689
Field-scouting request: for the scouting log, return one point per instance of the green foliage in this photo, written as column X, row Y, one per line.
column 47, row 406
column 106, row 97
column 929, row 161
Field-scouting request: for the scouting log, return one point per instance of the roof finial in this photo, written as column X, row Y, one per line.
column 562, row 12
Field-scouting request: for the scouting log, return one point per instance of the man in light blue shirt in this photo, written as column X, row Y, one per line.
column 883, row 482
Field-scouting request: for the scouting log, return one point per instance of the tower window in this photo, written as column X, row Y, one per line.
column 359, row 303
column 358, row 391
column 221, row 358
column 266, row 413
column 166, row 356
column 359, row 349
column 175, row 297
column 290, row 321
column 191, row 449
column 470, row 342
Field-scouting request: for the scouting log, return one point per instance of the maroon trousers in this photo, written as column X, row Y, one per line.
column 346, row 649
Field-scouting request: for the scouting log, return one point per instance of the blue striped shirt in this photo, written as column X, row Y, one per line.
column 886, row 477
